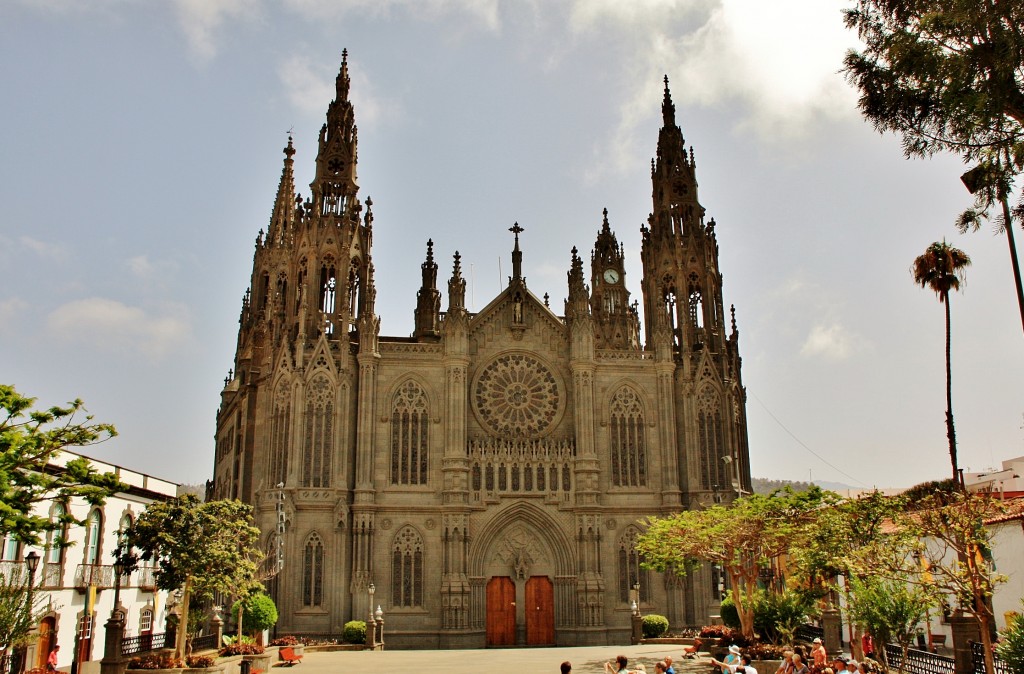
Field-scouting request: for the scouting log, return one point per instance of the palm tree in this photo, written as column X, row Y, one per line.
column 941, row 269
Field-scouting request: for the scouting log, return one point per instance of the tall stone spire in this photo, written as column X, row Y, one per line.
column 428, row 299
column 335, row 183
column 282, row 220
column 578, row 303
column 457, row 287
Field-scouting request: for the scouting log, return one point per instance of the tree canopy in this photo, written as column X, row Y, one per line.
column 948, row 75
column 201, row 548
column 30, row 440
column 741, row 537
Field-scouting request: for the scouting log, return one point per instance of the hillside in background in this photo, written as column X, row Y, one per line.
column 764, row 485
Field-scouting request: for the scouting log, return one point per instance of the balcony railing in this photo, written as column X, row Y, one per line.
column 94, row 575
column 146, row 579
column 14, row 572
column 53, row 575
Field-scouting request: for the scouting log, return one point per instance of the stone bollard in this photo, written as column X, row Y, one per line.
column 638, row 628
column 965, row 631
column 832, row 624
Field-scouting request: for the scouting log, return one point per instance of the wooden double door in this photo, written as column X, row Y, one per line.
column 538, row 611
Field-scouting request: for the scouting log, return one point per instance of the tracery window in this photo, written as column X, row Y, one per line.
column 313, row 572
column 280, row 421
column 630, row 572
column 409, row 422
column 627, row 435
column 713, row 471
column 319, row 435
column 407, row 568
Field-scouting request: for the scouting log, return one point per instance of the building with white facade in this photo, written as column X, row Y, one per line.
column 78, row 581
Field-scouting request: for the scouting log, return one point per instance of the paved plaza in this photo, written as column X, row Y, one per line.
column 589, row 660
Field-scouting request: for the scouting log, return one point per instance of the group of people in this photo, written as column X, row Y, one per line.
column 735, row 662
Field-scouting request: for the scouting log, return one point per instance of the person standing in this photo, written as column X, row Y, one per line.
column 619, row 667
column 818, row 655
column 867, row 644
column 669, row 669
column 798, row 665
column 51, row 660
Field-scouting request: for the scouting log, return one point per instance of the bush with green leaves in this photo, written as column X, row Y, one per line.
column 355, row 632
column 778, row 614
column 654, row 625
column 258, row 612
column 1011, row 645
column 730, row 616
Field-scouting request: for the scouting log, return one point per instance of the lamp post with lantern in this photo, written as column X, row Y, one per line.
column 113, row 634
column 31, row 563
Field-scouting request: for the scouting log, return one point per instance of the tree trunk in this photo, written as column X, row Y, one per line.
column 1008, row 221
column 950, row 431
column 182, row 635
column 744, row 608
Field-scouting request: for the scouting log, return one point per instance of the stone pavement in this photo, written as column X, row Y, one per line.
column 588, row 660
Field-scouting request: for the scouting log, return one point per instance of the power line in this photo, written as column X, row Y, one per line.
column 801, row 442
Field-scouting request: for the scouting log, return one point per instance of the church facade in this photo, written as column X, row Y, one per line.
column 487, row 476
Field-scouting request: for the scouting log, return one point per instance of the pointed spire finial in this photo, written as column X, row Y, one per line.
column 289, row 150
column 430, row 251
column 457, row 271
column 517, row 255
column 605, row 227
column 668, row 108
column 732, row 310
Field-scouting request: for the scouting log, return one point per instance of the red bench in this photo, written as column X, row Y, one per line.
column 288, row 656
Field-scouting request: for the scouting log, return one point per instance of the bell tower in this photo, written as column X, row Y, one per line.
column 616, row 324
column 685, row 326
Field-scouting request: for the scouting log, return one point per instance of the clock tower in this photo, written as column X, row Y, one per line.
column 616, row 323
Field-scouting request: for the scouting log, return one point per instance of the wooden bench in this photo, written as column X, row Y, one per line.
column 288, row 656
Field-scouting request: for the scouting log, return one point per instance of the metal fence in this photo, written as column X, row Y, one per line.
column 809, row 633
column 978, row 658
column 143, row 643
column 918, row 662
column 205, row 642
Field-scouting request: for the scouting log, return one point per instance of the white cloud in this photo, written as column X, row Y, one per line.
column 144, row 268
column 45, row 249
column 776, row 63
column 485, row 11
column 201, row 19
column 310, row 87
column 828, row 341
column 109, row 324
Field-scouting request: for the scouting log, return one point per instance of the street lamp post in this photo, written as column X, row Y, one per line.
column 371, row 624
column 32, row 563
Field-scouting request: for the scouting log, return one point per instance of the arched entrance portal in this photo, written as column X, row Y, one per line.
column 47, row 640
column 523, row 560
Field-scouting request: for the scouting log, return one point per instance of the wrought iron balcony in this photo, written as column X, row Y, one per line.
column 94, row 575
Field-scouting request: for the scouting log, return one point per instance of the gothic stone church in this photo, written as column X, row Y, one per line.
column 487, row 475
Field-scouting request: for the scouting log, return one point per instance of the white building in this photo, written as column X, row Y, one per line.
column 79, row 579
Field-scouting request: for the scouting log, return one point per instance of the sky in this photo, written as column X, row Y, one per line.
column 141, row 155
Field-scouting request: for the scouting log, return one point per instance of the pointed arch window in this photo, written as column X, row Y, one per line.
column 696, row 303
column 407, row 569
column 280, row 428
column 710, row 440
column 319, row 433
column 328, row 294
column 630, row 573
column 56, row 538
column 313, row 572
column 273, row 565
column 409, row 435
column 628, row 440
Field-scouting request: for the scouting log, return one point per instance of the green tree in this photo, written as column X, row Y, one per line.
column 1011, row 645
column 890, row 610
column 32, row 439
column 258, row 612
column 17, row 617
column 948, row 75
column 741, row 537
column 201, row 548
column 941, row 269
column 941, row 544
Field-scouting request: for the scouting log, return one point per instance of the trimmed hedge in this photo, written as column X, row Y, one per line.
column 654, row 626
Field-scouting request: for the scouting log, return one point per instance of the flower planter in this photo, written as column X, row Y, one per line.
column 259, row 662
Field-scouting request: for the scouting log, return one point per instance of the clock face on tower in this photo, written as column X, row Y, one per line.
column 611, row 276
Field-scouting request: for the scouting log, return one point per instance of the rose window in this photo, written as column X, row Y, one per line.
column 516, row 395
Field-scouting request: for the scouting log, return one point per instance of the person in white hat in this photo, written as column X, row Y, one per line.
column 818, row 654
column 731, row 658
